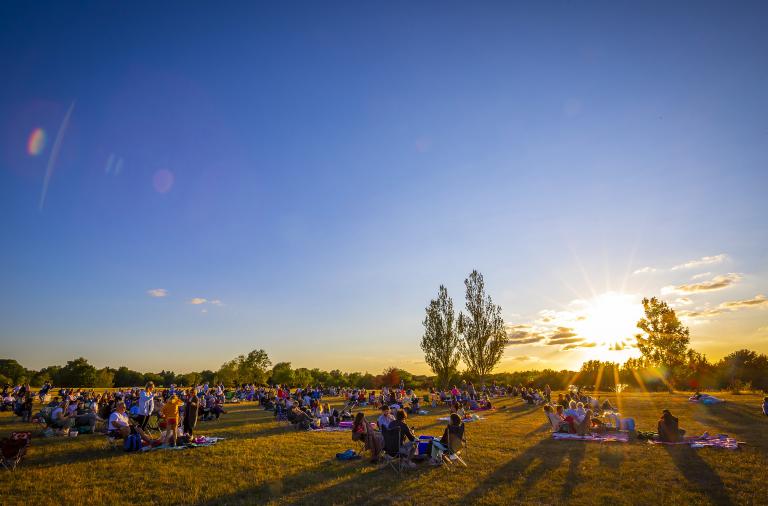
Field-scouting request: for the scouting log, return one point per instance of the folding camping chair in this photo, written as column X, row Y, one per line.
column 392, row 455
column 457, row 445
column 13, row 449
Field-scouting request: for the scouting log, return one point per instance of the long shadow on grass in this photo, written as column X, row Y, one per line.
column 535, row 463
column 698, row 473
column 291, row 484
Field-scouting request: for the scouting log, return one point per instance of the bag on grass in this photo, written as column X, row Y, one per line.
column 132, row 443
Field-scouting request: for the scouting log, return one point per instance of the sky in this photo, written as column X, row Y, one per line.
column 181, row 183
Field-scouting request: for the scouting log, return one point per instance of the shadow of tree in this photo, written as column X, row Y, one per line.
column 536, row 462
column 698, row 473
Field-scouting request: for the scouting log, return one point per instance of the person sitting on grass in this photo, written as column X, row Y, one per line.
column 669, row 429
column 60, row 417
column 407, row 449
column 118, row 424
column 765, row 406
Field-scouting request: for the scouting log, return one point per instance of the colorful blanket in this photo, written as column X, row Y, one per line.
column 706, row 399
column 604, row 437
column 197, row 442
column 468, row 419
column 342, row 427
column 704, row 441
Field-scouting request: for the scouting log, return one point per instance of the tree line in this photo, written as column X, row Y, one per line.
column 667, row 361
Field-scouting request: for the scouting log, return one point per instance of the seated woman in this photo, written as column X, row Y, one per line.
column 459, row 410
column 407, row 449
column 556, row 420
column 765, row 406
column 358, row 427
column 453, row 423
column 60, row 417
column 668, row 428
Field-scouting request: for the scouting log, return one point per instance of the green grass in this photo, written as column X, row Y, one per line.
column 511, row 460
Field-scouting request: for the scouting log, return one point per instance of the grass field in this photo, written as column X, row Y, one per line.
column 511, row 460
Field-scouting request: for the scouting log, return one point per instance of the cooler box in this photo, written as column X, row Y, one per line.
column 424, row 444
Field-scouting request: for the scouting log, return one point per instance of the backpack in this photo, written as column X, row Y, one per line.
column 132, row 443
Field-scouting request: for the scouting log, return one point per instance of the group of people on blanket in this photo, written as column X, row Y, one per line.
column 371, row 432
column 576, row 418
column 122, row 410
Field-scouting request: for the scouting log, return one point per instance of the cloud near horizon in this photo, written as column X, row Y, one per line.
column 716, row 283
column 758, row 301
column 157, row 292
column 709, row 260
column 706, row 260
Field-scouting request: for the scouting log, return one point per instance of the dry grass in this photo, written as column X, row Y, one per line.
column 512, row 460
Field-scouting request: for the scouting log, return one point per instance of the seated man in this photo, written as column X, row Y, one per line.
column 668, row 428
column 118, row 424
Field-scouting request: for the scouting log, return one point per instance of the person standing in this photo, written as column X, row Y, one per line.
column 191, row 412
column 146, row 404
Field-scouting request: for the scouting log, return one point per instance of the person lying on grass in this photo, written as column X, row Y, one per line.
column 668, row 428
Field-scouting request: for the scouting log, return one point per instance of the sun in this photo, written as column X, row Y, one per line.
column 609, row 319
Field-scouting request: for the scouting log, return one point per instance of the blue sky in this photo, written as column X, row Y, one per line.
column 317, row 170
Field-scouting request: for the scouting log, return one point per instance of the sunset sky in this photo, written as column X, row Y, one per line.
column 180, row 184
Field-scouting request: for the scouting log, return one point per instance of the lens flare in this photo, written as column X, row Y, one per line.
column 162, row 181
column 36, row 142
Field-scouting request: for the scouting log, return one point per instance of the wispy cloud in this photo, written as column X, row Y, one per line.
column 709, row 260
column 716, row 283
column 758, row 301
column 157, row 292
column 701, row 275
column 645, row 270
column 584, row 344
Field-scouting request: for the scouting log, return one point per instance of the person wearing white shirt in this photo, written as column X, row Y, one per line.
column 118, row 421
column 146, row 404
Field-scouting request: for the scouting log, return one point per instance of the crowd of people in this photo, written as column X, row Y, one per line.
column 118, row 413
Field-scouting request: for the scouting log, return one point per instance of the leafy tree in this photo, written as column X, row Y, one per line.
column 207, row 376
column 77, row 373
column 190, row 379
column 302, row 376
column 390, row 377
column 253, row 367
column 104, row 377
column 441, row 338
column 483, row 336
column 12, row 370
column 282, row 374
column 155, row 378
column 125, row 377
column 665, row 339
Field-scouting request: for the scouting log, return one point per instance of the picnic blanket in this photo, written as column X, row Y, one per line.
column 604, row 437
column 196, row 442
column 704, row 441
column 468, row 419
column 706, row 399
column 342, row 427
